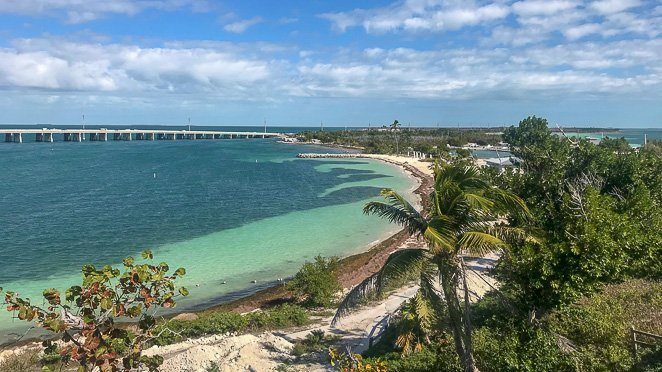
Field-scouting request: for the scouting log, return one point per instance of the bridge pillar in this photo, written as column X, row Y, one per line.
column 20, row 138
column 39, row 137
column 48, row 137
column 9, row 137
column 103, row 137
column 151, row 136
column 117, row 136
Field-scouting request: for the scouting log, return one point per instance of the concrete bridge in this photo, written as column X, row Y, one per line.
column 104, row 134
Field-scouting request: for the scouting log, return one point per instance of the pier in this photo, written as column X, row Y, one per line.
column 104, row 134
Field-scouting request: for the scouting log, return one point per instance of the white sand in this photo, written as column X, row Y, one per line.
column 266, row 351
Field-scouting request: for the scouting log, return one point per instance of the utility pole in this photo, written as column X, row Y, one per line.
column 189, row 124
column 321, row 126
column 265, row 125
column 83, row 121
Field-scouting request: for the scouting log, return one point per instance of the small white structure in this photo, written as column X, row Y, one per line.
column 499, row 163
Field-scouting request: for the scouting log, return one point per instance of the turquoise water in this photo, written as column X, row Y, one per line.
column 229, row 211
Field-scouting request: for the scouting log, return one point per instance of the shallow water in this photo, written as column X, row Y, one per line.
column 229, row 211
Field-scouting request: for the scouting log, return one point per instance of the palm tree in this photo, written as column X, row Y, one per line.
column 462, row 219
column 394, row 127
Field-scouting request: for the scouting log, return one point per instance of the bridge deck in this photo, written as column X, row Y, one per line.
column 104, row 134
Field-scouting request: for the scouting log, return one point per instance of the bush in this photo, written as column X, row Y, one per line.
column 316, row 341
column 439, row 356
column 281, row 316
column 105, row 295
column 317, row 283
column 600, row 324
column 513, row 348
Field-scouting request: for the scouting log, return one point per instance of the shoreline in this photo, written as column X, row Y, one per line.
column 354, row 268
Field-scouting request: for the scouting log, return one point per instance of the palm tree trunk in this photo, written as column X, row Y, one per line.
column 468, row 344
column 449, row 269
column 449, row 284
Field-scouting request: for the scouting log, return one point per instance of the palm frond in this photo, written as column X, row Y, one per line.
column 477, row 201
column 431, row 304
column 509, row 234
column 398, row 265
column 479, row 243
column 505, row 202
column 397, row 210
column 440, row 234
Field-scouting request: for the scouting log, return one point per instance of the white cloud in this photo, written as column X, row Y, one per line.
column 418, row 15
column 207, row 71
column 129, row 69
column 78, row 11
column 542, row 7
column 578, row 32
column 239, row 27
column 614, row 6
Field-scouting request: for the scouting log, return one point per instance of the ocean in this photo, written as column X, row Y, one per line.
column 229, row 211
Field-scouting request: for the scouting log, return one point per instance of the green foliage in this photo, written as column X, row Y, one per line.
column 465, row 209
column 92, row 308
column 600, row 324
column 514, row 347
column 426, row 140
column 597, row 213
column 439, row 356
column 350, row 362
column 463, row 153
column 316, row 283
column 315, row 342
column 216, row 322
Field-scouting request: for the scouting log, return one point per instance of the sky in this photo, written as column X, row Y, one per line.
column 354, row 63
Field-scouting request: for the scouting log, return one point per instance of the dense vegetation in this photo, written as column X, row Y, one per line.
column 393, row 140
column 584, row 269
column 596, row 212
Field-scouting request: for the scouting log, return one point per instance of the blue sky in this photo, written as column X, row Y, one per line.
column 424, row 62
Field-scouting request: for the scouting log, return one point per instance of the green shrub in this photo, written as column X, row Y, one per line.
column 600, row 324
column 210, row 323
column 316, row 341
column 316, row 282
column 520, row 348
column 439, row 356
